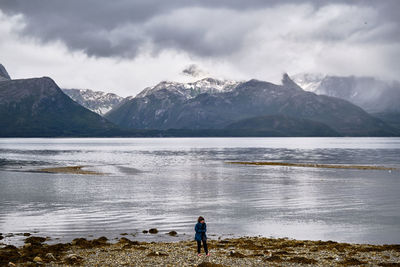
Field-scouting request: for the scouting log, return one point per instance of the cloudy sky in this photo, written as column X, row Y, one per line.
column 123, row 46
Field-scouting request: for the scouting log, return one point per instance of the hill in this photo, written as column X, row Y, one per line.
column 38, row 107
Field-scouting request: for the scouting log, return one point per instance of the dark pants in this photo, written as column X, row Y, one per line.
column 199, row 246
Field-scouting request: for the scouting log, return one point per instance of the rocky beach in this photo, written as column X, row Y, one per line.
column 244, row 251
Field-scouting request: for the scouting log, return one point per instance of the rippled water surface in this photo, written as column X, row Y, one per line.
column 166, row 183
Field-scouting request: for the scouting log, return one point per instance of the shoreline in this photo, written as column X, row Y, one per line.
column 242, row 251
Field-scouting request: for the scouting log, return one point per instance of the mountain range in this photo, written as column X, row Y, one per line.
column 215, row 104
column 207, row 107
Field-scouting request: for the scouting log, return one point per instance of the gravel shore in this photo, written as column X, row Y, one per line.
column 245, row 251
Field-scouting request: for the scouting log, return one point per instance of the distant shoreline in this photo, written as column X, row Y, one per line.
column 185, row 136
column 241, row 251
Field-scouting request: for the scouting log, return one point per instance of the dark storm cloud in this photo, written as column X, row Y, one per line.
column 202, row 28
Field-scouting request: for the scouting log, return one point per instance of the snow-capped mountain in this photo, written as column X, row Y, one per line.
column 371, row 94
column 214, row 104
column 191, row 90
column 97, row 101
column 309, row 81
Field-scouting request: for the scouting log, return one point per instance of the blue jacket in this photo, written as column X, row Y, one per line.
column 201, row 229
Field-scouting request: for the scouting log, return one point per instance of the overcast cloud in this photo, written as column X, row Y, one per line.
column 123, row 46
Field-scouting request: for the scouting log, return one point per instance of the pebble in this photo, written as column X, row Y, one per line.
column 38, row 259
column 50, row 256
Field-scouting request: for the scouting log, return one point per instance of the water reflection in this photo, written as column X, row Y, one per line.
column 167, row 183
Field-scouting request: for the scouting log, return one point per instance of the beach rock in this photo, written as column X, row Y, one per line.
column 81, row 242
column 172, row 233
column 124, row 234
column 273, row 258
column 257, row 255
column 155, row 254
column 35, row 240
column 11, row 264
column 145, row 231
column 73, row 259
column 236, row 254
column 153, row 231
column 101, row 241
column 124, row 240
column 351, row 261
column 210, row 264
column 84, row 243
column 51, row 257
column 37, row 259
column 58, row 249
column 389, row 264
column 140, row 247
column 1, row 237
column 27, row 234
column 303, row 260
column 9, row 253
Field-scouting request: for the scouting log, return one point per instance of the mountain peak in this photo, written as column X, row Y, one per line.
column 97, row 101
column 288, row 82
column 4, row 74
column 191, row 89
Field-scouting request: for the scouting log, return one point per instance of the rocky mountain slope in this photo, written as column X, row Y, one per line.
column 96, row 101
column 281, row 125
column 38, row 107
column 4, row 74
column 169, row 105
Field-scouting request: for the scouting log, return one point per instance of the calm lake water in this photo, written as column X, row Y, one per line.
column 167, row 183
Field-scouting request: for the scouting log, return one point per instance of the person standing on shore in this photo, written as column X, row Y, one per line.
column 201, row 229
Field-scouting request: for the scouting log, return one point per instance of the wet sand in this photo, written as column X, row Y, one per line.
column 245, row 251
column 70, row 169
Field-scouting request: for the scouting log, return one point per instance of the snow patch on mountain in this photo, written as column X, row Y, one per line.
column 309, row 81
column 191, row 90
column 97, row 101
